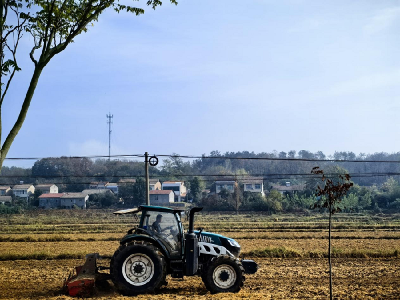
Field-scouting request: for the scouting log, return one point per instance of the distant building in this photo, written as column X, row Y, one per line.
column 253, row 185
column 94, row 191
column 228, row 185
column 288, row 188
column 178, row 187
column 127, row 181
column 112, row 187
column 23, row 190
column 5, row 190
column 161, row 197
column 47, row 188
column 69, row 200
column 97, row 185
column 50, row 200
column 154, row 184
column 7, row 200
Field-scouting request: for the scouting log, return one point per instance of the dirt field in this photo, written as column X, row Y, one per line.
column 276, row 279
column 52, row 234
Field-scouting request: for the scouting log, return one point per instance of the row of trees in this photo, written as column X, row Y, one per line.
column 358, row 198
column 372, row 192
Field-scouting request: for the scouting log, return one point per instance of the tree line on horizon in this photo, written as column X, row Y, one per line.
column 369, row 192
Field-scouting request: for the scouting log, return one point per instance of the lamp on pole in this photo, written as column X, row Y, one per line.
column 153, row 161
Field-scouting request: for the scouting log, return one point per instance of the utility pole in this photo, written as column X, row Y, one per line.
column 109, row 122
column 152, row 161
column 146, row 157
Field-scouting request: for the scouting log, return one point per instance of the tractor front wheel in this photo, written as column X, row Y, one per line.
column 137, row 269
column 224, row 274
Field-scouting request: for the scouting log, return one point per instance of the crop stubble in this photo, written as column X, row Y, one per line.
column 276, row 279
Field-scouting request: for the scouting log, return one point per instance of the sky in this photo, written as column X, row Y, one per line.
column 227, row 75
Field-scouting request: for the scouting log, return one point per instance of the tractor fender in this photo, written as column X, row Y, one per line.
column 140, row 237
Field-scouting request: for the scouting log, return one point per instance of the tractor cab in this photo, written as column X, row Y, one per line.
column 164, row 225
column 160, row 225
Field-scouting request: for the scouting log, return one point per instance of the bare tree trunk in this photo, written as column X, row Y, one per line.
column 329, row 256
column 22, row 115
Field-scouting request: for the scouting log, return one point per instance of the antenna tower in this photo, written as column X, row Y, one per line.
column 109, row 122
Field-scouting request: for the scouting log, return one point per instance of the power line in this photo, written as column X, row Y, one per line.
column 239, row 176
column 77, row 157
column 277, row 159
column 211, row 157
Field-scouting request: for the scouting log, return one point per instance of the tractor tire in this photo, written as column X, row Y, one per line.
column 224, row 274
column 137, row 269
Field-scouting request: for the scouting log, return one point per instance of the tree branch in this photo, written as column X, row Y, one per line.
column 22, row 115
column 33, row 50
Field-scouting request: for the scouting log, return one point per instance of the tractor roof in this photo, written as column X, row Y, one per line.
column 147, row 207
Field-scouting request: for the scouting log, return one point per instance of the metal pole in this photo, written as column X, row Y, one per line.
column 109, row 121
column 146, row 158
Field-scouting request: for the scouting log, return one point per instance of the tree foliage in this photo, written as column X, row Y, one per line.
column 53, row 24
column 329, row 196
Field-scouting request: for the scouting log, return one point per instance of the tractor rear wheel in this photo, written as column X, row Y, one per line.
column 137, row 269
column 224, row 274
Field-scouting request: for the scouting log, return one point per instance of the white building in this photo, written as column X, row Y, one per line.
column 23, row 190
column 161, row 197
column 228, row 185
column 178, row 187
column 5, row 190
column 154, row 184
column 253, row 185
column 47, row 188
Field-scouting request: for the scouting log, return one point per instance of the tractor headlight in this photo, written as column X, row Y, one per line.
column 233, row 243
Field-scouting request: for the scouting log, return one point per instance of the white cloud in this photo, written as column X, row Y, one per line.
column 382, row 20
column 366, row 83
column 306, row 25
column 93, row 148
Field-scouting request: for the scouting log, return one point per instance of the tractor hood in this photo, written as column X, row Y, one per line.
column 213, row 238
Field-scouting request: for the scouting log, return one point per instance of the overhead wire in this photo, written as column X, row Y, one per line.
column 209, row 157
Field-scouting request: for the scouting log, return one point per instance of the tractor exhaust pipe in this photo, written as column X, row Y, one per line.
column 191, row 245
column 191, row 218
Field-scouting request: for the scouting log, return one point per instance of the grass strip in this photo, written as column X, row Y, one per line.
column 41, row 256
column 61, row 238
column 280, row 252
column 56, row 238
column 283, row 252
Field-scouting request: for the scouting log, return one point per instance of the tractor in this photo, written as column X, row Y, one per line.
column 159, row 247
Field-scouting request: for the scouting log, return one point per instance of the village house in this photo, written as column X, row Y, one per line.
column 23, row 190
column 253, row 185
column 47, row 188
column 178, row 187
column 228, row 185
column 154, row 184
column 288, row 188
column 113, row 187
column 161, row 197
column 70, row 200
column 97, row 185
column 5, row 190
column 50, row 200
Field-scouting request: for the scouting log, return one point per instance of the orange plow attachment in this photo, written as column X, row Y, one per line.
column 83, row 282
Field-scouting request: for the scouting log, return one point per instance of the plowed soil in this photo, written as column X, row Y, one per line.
column 276, row 279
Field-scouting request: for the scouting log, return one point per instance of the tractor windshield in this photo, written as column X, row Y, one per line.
column 165, row 226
